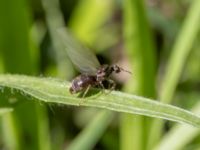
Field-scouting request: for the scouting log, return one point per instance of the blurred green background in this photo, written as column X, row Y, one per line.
column 156, row 40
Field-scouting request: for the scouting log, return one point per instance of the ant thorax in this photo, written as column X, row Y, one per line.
column 101, row 73
column 105, row 71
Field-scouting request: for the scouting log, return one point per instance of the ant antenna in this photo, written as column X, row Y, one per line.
column 126, row 70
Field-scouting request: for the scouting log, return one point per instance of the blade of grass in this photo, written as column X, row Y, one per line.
column 20, row 56
column 14, row 39
column 180, row 52
column 169, row 141
column 5, row 110
column 11, row 136
column 14, row 44
column 55, row 20
column 92, row 133
column 176, row 131
column 140, row 49
column 57, row 91
column 86, row 14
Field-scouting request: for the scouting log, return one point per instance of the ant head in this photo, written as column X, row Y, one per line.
column 118, row 69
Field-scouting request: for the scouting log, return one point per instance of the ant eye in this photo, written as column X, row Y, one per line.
column 115, row 67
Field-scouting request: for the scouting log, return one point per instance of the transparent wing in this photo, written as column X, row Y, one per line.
column 80, row 56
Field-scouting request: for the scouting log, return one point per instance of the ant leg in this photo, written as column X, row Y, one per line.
column 84, row 94
column 86, row 91
column 102, row 86
column 111, row 82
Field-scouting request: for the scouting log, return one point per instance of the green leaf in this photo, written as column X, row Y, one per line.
column 136, row 30
column 180, row 51
column 92, row 133
column 86, row 13
column 169, row 140
column 51, row 90
column 19, row 55
column 5, row 110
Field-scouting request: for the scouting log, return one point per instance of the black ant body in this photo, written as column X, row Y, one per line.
column 85, row 81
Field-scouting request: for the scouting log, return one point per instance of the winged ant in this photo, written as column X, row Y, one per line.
column 92, row 73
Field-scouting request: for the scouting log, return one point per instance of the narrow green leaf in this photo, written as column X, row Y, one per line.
column 86, row 14
column 16, row 58
column 55, row 20
column 175, row 66
column 57, row 91
column 169, row 141
column 180, row 52
column 5, row 110
column 141, row 53
column 20, row 55
column 11, row 133
column 92, row 133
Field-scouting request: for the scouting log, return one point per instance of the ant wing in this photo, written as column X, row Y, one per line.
column 81, row 57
